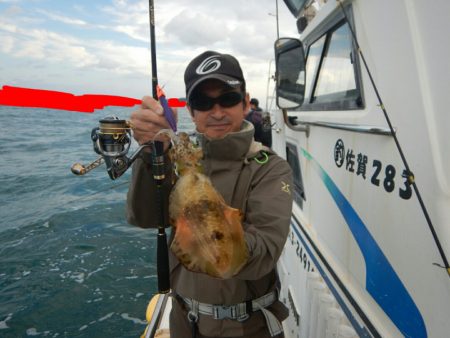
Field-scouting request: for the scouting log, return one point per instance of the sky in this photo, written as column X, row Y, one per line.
column 102, row 46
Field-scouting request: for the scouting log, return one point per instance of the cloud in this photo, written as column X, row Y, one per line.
column 44, row 45
column 253, row 41
column 49, row 47
column 121, row 59
column 62, row 18
column 7, row 44
column 197, row 29
column 129, row 17
column 109, row 41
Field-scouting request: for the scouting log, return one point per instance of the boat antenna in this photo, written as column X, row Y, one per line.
column 162, row 255
column 409, row 175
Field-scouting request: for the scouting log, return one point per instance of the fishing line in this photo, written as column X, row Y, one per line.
column 176, row 71
column 409, row 174
column 88, row 197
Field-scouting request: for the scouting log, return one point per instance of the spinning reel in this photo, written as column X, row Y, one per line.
column 112, row 140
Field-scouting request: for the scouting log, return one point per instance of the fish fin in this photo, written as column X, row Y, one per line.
column 239, row 255
column 192, row 250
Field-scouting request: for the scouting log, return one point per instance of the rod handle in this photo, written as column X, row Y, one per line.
column 163, row 262
column 158, row 162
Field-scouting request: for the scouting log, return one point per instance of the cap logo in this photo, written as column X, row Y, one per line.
column 209, row 65
column 233, row 82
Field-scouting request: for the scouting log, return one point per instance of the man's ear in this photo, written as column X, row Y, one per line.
column 247, row 103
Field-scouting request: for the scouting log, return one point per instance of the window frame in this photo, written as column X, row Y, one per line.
column 327, row 30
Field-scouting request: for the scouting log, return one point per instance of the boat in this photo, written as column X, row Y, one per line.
column 363, row 121
column 361, row 117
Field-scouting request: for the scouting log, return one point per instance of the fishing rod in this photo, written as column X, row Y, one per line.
column 162, row 251
column 112, row 141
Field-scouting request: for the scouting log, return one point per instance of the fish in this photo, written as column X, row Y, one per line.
column 209, row 235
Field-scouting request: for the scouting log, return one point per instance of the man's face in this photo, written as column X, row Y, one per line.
column 218, row 121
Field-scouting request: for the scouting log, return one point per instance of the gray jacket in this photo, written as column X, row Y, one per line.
column 261, row 191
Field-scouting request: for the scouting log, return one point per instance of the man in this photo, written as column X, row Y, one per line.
column 250, row 178
column 263, row 128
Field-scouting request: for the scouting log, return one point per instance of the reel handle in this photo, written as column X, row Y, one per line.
column 80, row 169
column 112, row 141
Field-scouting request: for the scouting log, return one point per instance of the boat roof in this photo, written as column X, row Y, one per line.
column 304, row 11
column 296, row 6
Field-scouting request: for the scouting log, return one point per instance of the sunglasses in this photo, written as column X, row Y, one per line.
column 203, row 103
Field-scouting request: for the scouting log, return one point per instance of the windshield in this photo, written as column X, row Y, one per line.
column 295, row 6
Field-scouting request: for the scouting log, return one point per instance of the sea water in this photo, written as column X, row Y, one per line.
column 70, row 265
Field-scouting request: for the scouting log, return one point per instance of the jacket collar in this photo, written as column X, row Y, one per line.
column 233, row 146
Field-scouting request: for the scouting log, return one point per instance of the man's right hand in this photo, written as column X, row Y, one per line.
column 148, row 120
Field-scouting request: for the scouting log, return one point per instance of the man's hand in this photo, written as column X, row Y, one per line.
column 148, row 120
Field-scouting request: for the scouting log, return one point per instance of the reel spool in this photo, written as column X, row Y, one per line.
column 112, row 140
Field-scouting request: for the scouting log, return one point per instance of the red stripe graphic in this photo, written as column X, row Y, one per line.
column 38, row 98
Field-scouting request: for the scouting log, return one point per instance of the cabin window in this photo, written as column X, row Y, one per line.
column 332, row 82
column 312, row 65
column 336, row 80
column 292, row 159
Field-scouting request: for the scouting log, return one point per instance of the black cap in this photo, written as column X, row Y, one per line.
column 254, row 101
column 213, row 65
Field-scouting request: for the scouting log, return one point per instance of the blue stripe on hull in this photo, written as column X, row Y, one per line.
column 382, row 282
